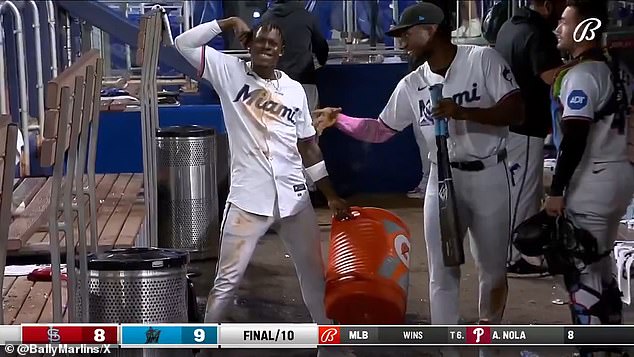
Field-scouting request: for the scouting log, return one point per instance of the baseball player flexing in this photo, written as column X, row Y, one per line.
column 594, row 180
column 270, row 132
column 482, row 99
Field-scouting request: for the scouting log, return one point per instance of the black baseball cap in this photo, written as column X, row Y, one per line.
column 422, row 13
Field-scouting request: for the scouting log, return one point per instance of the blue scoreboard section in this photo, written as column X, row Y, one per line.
column 169, row 336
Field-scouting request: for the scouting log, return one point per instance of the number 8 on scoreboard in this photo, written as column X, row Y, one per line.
column 107, row 335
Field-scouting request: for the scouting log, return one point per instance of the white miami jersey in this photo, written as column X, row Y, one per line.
column 585, row 90
column 264, row 121
column 407, row 103
column 478, row 77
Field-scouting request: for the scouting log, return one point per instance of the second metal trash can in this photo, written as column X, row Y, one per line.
column 187, row 190
column 138, row 285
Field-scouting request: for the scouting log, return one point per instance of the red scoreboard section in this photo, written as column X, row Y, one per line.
column 71, row 334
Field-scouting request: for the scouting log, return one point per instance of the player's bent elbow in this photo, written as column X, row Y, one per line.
column 178, row 45
column 190, row 54
column 181, row 45
column 178, row 42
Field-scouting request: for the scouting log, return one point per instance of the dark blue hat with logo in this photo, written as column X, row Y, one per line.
column 422, row 13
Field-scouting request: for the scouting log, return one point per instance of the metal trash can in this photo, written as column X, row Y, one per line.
column 138, row 285
column 187, row 196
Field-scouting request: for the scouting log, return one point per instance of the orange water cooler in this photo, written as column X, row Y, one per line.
column 368, row 268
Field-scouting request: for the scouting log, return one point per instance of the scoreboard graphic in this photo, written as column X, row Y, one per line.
column 169, row 336
column 203, row 336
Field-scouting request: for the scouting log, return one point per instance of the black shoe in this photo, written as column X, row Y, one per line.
column 524, row 269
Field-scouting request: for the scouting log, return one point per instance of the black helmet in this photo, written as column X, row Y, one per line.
column 565, row 246
column 533, row 236
column 494, row 19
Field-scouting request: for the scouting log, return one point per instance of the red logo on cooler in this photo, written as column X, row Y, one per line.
column 329, row 335
column 478, row 335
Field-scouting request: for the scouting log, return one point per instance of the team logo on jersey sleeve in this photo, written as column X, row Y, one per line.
column 506, row 74
column 426, row 118
column 577, row 99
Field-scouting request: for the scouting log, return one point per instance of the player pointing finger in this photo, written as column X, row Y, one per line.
column 483, row 99
column 325, row 118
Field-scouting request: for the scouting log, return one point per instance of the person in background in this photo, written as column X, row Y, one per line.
column 302, row 39
column 528, row 44
column 594, row 180
column 471, row 25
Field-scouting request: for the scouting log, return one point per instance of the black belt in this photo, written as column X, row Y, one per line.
column 476, row 165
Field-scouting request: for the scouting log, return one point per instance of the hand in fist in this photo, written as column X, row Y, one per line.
column 242, row 31
column 325, row 118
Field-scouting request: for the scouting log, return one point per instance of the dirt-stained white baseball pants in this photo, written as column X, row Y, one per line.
column 597, row 198
column 240, row 233
column 483, row 201
column 526, row 171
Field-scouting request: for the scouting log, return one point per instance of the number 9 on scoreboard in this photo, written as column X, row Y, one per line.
column 199, row 335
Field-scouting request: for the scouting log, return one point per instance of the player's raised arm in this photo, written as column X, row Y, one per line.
column 313, row 161
column 211, row 64
column 396, row 116
column 502, row 87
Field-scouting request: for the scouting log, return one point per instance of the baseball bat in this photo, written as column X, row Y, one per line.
column 451, row 241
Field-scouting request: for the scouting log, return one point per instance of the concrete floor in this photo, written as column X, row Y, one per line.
column 270, row 292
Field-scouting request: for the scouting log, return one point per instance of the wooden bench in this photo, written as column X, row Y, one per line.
column 69, row 141
column 37, row 191
column 8, row 142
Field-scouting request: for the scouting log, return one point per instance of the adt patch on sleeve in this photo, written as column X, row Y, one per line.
column 577, row 99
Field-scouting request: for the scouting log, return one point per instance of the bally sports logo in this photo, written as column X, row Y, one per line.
column 329, row 335
column 588, row 29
